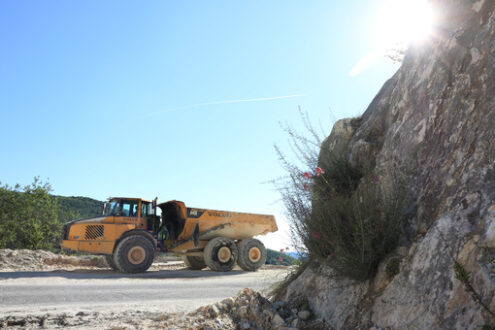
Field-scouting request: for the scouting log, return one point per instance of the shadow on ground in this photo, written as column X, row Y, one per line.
column 84, row 274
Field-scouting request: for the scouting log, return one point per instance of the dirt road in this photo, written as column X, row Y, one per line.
column 97, row 290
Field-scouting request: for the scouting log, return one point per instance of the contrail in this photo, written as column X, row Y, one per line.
column 258, row 99
column 250, row 100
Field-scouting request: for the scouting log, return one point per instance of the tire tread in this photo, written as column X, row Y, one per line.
column 194, row 263
column 243, row 260
column 210, row 258
column 120, row 255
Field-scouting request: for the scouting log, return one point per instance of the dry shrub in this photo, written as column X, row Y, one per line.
column 346, row 218
column 354, row 224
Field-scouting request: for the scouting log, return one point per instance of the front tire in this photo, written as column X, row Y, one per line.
column 220, row 254
column 134, row 254
column 110, row 262
column 194, row 263
column 252, row 254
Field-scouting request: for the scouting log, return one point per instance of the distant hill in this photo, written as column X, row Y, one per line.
column 72, row 208
column 273, row 258
column 296, row 255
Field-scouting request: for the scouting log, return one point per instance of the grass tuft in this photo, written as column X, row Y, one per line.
column 393, row 267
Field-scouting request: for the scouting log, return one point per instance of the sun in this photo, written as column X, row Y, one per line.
column 399, row 24
column 402, row 22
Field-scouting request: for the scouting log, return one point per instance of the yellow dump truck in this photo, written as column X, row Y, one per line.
column 129, row 232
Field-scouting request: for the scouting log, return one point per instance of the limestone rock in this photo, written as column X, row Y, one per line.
column 243, row 312
column 342, row 132
column 433, row 122
column 304, row 315
column 296, row 323
column 278, row 320
column 228, row 302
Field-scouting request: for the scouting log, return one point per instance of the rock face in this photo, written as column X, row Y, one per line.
column 434, row 121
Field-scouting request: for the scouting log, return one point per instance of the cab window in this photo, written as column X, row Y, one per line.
column 144, row 209
column 129, row 208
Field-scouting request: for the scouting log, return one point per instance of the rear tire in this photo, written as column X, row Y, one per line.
column 194, row 263
column 252, row 254
column 134, row 254
column 220, row 254
column 110, row 261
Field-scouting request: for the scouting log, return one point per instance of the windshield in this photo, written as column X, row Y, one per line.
column 122, row 208
column 112, row 208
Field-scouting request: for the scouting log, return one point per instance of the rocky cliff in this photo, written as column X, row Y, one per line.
column 434, row 121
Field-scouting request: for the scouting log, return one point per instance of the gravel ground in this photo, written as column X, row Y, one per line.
column 25, row 273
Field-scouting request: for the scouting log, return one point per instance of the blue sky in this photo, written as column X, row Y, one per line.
column 109, row 98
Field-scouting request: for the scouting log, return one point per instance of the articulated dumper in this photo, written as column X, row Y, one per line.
column 129, row 232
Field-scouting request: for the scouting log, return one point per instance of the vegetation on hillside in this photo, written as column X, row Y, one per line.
column 355, row 220
column 28, row 217
column 341, row 216
column 32, row 218
column 277, row 258
column 71, row 208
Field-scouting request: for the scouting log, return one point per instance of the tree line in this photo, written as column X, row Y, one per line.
column 32, row 218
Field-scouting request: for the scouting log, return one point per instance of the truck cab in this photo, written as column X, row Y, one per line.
column 120, row 218
column 136, row 209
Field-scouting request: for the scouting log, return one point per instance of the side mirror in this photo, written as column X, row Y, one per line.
column 103, row 208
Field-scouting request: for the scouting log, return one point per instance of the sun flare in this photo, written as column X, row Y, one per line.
column 401, row 22
column 398, row 24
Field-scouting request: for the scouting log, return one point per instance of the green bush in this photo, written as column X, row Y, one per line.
column 28, row 217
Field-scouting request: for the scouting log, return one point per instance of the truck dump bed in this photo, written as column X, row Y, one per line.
column 239, row 225
column 182, row 223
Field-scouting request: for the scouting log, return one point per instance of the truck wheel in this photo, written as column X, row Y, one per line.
column 220, row 254
column 110, row 262
column 252, row 254
column 194, row 263
column 134, row 254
